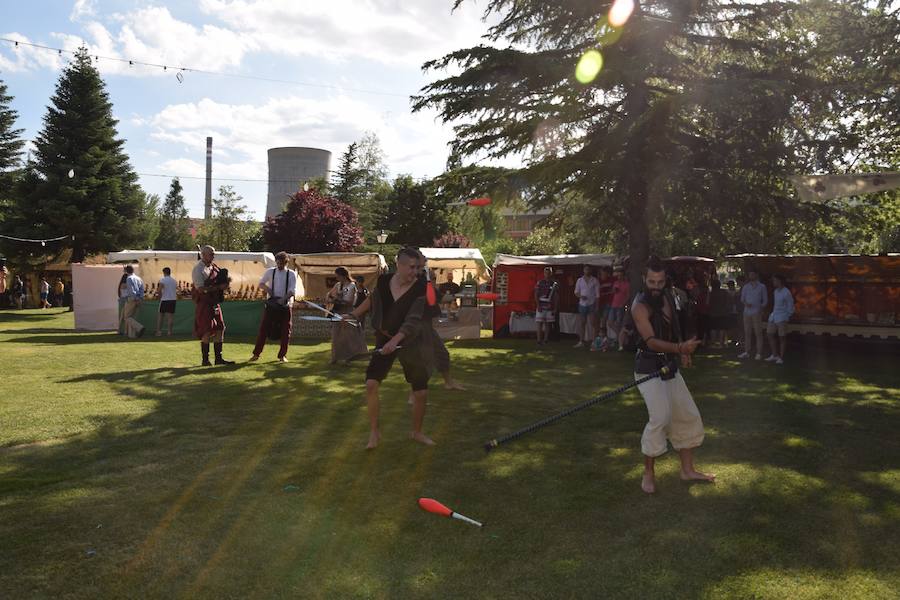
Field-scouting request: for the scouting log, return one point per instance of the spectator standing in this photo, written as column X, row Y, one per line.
column 782, row 309
column 587, row 289
column 45, row 292
column 135, row 297
column 546, row 301
column 280, row 283
column 754, row 298
column 122, row 295
column 18, row 292
column 58, row 290
column 621, row 293
column 721, row 305
column 605, row 289
column 4, row 290
column 167, row 292
column 346, row 343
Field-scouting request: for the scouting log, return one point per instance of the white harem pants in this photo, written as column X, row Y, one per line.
column 673, row 416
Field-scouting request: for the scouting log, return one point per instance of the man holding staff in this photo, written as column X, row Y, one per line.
column 209, row 324
column 673, row 415
column 397, row 305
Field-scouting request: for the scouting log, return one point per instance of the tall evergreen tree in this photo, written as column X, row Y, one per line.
column 348, row 179
column 690, row 107
column 415, row 216
column 173, row 221
column 10, row 149
column 81, row 182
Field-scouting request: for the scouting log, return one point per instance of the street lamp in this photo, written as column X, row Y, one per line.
column 381, row 237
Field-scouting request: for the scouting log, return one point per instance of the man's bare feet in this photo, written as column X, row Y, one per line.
column 648, row 483
column 454, row 385
column 374, row 438
column 422, row 438
column 697, row 476
column 254, row 358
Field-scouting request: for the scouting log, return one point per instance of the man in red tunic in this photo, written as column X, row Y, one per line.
column 208, row 294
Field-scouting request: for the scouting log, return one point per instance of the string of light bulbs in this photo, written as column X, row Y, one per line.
column 37, row 241
column 181, row 70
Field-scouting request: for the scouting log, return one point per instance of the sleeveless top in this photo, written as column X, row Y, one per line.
column 663, row 329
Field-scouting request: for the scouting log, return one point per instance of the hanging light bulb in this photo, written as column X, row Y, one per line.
column 43, row 243
column 179, row 77
column 71, row 173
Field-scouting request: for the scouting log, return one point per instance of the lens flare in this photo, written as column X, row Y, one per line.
column 589, row 66
column 607, row 35
column 620, row 11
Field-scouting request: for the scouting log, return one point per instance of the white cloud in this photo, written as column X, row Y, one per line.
column 388, row 31
column 243, row 133
column 81, row 9
column 20, row 58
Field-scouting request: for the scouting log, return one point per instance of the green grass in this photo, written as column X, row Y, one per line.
column 126, row 470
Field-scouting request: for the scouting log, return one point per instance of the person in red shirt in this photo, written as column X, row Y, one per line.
column 621, row 294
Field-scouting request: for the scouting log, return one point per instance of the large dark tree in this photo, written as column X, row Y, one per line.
column 312, row 222
column 10, row 150
column 698, row 111
column 173, row 221
column 80, row 181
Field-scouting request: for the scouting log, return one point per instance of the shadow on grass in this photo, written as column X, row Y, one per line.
column 254, row 483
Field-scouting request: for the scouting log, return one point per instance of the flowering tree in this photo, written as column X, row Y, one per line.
column 312, row 222
column 452, row 240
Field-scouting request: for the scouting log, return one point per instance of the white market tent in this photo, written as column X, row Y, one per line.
column 316, row 271
column 462, row 262
column 244, row 268
column 595, row 260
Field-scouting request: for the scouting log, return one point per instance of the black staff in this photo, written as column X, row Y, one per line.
column 544, row 422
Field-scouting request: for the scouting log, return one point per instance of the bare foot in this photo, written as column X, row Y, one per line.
column 422, row 438
column 374, row 438
column 648, row 483
column 453, row 385
column 254, row 358
column 697, row 476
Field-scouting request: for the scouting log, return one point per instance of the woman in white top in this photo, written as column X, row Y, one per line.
column 347, row 341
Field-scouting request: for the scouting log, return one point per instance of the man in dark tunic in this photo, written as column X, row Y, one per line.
column 673, row 416
column 397, row 305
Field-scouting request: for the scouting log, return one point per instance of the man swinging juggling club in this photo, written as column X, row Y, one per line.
column 673, row 414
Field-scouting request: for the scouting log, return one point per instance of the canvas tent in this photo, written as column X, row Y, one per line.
column 838, row 294
column 514, row 279
column 94, row 298
column 316, row 271
column 244, row 268
column 464, row 263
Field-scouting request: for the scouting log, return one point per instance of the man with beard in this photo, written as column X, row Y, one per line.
column 209, row 325
column 673, row 416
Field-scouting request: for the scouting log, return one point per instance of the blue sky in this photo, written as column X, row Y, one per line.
column 376, row 45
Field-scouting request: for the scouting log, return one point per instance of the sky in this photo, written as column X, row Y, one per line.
column 348, row 67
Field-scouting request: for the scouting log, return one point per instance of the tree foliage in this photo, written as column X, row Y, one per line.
column 312, row 222
column 173, row 221
column 415, row 216
column 229, row 229
column 698, row 112
column 79, row 181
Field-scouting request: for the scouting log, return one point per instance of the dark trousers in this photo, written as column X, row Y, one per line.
column 264, row 332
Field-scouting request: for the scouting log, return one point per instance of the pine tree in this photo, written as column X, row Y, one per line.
column 693, row 111
column 80, row 181
column 10, row 149
column 347, row 182
column 173, row 221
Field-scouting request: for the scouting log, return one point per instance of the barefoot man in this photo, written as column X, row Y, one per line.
column 673, row 414
column 397, row 305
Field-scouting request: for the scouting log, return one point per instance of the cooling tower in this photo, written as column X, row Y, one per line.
column 288, row 169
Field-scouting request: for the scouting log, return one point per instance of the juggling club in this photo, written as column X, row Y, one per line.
column 433, row 506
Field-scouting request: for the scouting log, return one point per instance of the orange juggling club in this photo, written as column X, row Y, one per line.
column 433, row 506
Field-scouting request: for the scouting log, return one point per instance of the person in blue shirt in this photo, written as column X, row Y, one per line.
column 754, row 298
column 134, row 297
column 782, row 309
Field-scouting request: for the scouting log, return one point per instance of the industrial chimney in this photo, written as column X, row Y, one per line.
column 207, row 211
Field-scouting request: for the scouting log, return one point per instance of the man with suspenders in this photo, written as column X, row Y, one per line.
column 280, row 284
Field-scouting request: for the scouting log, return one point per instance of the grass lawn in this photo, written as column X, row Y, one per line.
column 127, row 470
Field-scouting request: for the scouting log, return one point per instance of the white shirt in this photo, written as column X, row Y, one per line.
column 168, row 288
column 276, row 290
column 345, row 295
column 45, row 287
column 589, row 288
column 200, row 274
